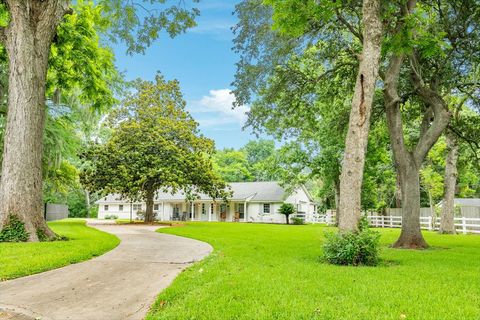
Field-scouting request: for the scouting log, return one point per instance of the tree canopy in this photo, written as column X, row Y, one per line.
column 155, row 145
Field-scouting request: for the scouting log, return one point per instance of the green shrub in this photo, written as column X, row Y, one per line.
column 352, row 248
column 111, row 217
column 287, row 209
column 14, row 231
column 298, row 220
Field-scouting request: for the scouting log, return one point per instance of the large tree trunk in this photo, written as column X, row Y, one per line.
column 149, row 210
column 447, row 224
column 398, row 192
column 411, row 235
column 337, row 201
column 349, row 208
column 408, row 169
column 27, row 39
column 408, row 162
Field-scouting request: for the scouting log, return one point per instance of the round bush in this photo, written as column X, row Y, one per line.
column 352, row 248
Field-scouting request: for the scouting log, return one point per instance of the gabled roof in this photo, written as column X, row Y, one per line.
column 247, row 191
column 258, row 191
column 467, row 202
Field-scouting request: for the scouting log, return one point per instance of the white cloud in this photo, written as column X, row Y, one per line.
column 214, row 27
column 219, row 105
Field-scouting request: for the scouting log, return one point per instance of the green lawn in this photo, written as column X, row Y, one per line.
column 273, row 272
column 21, row 259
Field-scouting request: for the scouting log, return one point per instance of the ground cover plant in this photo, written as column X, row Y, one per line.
column 260, row 271
column 21, row 259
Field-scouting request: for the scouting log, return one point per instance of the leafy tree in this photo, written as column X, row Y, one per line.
column 287, row 209
column 297, row 19
column 462, row 138
column 261, row 155
column 155, row 145
column 232, row 165
column 27, row 31
column 441, row 58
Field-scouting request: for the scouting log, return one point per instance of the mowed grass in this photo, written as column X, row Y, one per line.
column 21, row 259
column 274, row 272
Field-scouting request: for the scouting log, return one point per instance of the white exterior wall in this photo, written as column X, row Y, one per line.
column 302, row 203
column 164, row 211
column 255, row 213
column 253, row 209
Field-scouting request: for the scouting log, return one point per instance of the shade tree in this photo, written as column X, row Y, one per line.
column 27, row 32
column 154, row 145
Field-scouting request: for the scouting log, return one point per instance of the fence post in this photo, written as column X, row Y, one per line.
column 464, row 225
column 328, row 217
column 391, row 221
column 383, row 221
column 430, row 223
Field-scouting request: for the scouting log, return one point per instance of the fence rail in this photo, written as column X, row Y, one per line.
column 462, row 224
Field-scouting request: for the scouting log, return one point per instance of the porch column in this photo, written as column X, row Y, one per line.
column 209, row 212
column 215, row 211
column 245, row 211
column 163, row 211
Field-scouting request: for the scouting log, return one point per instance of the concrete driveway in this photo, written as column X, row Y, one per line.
column 121, row 284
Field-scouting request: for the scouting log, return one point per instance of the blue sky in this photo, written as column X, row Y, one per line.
column 203, row 62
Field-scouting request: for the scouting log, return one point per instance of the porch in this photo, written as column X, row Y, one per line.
column 233, row 211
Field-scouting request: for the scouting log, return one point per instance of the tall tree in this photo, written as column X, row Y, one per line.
column 232, row 165
column 28, row 36
column 296, row 19
column 155, row 145
column 435, row 69
column 462, row 136
column 359, row 123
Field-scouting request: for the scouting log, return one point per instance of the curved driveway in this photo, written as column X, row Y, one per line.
column 121, row 284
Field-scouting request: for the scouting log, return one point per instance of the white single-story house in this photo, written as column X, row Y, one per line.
column 250, row 202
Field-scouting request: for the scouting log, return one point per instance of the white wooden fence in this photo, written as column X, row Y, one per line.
column 462, row 224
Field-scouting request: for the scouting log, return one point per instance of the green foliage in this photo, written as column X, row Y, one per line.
column 256, row 161
column 4, row 16
column 287, row 209
column 14, row 231
column 298, row 221
column 41, row 235
column 232, row 165
column 138, row 25
column 79, row 61
column 352, row 248
column 76, row 204
column 155, row 144
column 112, row 216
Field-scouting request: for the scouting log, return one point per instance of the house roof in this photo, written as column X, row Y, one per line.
column 248, row 191
column 467, row 202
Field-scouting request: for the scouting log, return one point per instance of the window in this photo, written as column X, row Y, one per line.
column 241, row 210
column 203, row 208
column 211, row 208
column 120, row 207
column 137, row 207
column 105, row 207
column 266, row 208
column 155, row 207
